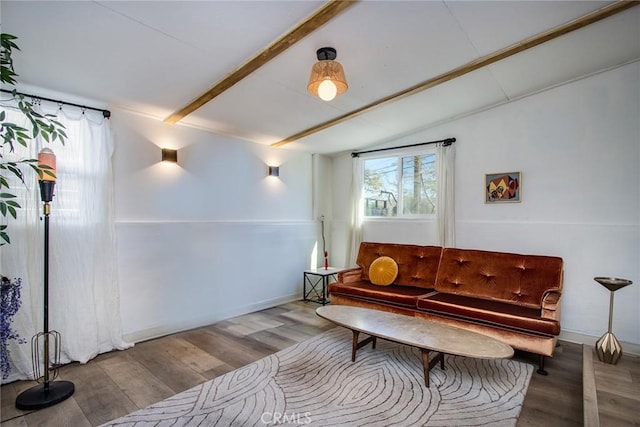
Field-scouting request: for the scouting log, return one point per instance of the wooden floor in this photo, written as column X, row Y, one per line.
column 117, row 383
column 618, row 391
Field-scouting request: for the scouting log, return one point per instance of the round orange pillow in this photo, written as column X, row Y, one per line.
column 383, row 271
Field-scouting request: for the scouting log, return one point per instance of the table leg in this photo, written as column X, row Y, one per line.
column 354, row 346
column 358, row 345
column 325, row 283
column 314, row 282
column 304, row 286
column 428, row 364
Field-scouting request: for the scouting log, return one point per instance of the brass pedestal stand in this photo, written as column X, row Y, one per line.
column 608, row 347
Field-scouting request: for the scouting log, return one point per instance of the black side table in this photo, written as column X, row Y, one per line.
column 316, row 277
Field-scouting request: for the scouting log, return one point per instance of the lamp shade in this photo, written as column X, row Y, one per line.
column 327, row 77
column 47, row 165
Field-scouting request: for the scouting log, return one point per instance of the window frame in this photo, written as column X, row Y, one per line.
column 399, row 155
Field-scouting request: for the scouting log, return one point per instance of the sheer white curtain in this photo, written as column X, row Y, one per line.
column 83, row 287
column 445, row 211
column 356, row 212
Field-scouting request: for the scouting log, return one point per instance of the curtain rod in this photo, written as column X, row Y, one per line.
column 445, row 143
column 105, row 113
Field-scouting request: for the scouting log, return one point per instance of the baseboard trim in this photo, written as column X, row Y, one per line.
column 578, row 338
column 164, row 330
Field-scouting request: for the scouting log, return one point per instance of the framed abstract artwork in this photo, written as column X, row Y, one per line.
column 504, row 187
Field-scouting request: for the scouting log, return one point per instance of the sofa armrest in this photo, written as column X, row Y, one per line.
column 551, row 304
column 350, row 275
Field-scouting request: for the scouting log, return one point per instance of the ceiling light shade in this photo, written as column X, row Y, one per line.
column 327, row 76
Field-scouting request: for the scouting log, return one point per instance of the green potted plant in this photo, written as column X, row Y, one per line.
column 9, row 306
column 49, row 129
column 44, row 125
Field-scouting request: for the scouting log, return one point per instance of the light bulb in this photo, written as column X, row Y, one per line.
column 327, row 90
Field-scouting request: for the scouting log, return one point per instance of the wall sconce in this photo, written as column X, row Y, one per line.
column 327, row 75
column 169, row 155
column 274, row 170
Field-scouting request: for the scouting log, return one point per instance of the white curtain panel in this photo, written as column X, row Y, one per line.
column 84, row 304
column 445, row 213
column 356, row 214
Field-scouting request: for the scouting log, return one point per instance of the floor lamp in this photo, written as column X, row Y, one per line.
column 48, row 392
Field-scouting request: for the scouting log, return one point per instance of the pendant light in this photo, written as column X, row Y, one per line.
column 327, row 75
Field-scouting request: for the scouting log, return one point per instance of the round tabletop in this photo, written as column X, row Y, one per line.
column 612, row 283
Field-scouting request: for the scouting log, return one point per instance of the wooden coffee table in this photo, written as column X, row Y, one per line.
column 424, row 334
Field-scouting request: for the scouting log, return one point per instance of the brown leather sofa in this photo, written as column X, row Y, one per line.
column 514, row 298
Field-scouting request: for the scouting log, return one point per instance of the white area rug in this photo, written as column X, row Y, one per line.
column 315, row 383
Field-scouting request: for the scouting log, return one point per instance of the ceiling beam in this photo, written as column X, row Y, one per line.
column 481, row 62
column 320, row 17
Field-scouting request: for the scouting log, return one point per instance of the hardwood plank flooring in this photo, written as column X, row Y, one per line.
column 117, row 383
column 135, row 380
column 555, row 399
column 618, row 391
column 104, row 398
column 589, row 392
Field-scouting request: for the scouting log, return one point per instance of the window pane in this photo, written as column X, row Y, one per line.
column 380, row 190
column 419, row 185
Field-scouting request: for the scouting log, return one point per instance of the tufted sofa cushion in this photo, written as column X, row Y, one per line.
column 496, row 313
column 403, row 296
column 511, row 278
column 417, row 265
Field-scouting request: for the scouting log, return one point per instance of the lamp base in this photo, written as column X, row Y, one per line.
column 609, row 349
column 38, row 397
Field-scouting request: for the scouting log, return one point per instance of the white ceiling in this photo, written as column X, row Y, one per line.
column 154, row 57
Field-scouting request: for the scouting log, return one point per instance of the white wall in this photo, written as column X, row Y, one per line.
column 211, row 237
column 578, row 148
column 323, row 206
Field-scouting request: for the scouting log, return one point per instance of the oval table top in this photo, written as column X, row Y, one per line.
column 421, row 333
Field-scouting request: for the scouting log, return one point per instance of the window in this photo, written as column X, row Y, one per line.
column 400, row 186
column 69, row 175
column 83, row 169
